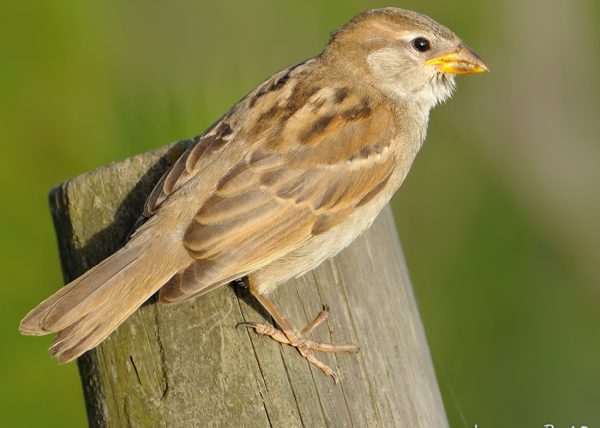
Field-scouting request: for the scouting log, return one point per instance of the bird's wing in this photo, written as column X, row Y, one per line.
column 196, row 160
column 314, row 162
column 188, row 166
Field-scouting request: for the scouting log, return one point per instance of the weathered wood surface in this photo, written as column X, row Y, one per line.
column 188, row 365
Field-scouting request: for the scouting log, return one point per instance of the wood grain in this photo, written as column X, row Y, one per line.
column 188, row 365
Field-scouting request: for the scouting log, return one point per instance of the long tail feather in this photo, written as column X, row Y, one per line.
column 89, row 308
column 74, row 300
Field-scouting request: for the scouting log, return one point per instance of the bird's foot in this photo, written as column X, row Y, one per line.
column 301, row 343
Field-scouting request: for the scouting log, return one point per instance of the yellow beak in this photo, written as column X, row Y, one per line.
column 461, row 61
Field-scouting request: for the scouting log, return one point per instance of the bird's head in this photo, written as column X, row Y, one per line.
column 408, row 56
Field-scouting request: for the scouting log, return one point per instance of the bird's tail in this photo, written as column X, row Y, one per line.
column 88, row 309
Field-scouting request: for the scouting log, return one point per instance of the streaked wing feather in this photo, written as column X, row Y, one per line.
column 217, row 137
column 280, row 195
column 188, row 165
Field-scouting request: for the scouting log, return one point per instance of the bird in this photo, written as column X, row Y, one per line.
column 283, row 181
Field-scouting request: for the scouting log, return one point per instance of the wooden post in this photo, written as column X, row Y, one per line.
column 188, row 365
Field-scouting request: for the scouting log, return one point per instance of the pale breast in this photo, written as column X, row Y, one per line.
column 326, row 245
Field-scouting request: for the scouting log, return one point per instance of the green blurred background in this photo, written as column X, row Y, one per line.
column 499, row 218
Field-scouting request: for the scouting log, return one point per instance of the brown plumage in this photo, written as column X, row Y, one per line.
column 284, row 180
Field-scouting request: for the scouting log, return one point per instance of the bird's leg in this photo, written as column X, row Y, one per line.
column 289, row 335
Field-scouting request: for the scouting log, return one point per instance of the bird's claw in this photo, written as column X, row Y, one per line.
column 304, row 346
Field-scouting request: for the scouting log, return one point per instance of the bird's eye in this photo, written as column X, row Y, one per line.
column 421, row 44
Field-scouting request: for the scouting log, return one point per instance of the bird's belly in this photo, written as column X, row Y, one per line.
column 318, row 248
column 326, row 245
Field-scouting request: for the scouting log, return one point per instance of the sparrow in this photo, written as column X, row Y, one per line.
column 286, row 179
